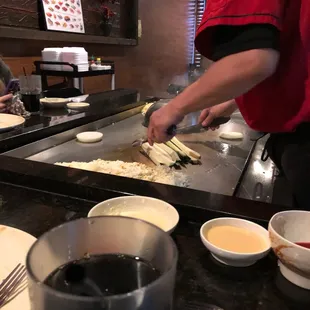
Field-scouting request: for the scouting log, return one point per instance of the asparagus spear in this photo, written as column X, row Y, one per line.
column 158, row 157
column 173, row 154
column 189, row 152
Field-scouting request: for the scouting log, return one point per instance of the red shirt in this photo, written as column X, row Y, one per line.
column 281, row 102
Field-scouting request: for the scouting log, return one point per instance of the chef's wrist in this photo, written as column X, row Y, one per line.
column 177, row 108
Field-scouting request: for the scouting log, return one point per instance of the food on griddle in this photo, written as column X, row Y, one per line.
column 65, row 25
column 60, row 17
column 186, row 154
column 173, row 154
column 72, row 11
column 170, row 154
column 57, row 23
column 157, row 155
column 67, row 4
column 231, row 135
column 46, row 2
column 176, row 149
column 57, row 7
column 72, row 26
column 73, row 7
column 189, row 152
column 60, row 3
column 51, row 9
column 67, row 18
column 146, row 107
column 89, row 136
column 53, row 1
column 78, row 11
column 78, row 3
column 159, row 174
column 64, row 9
column 49, row 14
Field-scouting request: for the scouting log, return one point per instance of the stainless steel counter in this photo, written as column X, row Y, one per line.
column 221, row 164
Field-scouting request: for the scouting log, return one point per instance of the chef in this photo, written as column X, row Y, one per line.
column 261, row 54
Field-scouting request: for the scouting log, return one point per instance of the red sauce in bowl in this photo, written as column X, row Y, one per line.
column 304, row 244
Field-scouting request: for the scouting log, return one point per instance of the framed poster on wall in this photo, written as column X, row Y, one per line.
column 63, row 15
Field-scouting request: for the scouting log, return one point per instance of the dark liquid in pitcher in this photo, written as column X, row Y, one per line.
column 31, row 102
column 103, row 275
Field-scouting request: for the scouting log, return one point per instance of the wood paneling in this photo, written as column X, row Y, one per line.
column 20, row 13
column 149, row 67
column 24, row 13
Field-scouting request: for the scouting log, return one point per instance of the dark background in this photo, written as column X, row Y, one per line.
column 162, row 52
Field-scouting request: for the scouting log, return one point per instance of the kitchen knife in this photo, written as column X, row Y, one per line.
column 195, row 128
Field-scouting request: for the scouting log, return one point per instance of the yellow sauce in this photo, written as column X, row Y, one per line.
column 236, row 239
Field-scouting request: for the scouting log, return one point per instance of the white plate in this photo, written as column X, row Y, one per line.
column 77, row 105
column 54, row 103
column 15, row 245
column 89, row 137
column 10, row 121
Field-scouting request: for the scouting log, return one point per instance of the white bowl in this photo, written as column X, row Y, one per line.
column 285, row 229
column 233, row 258
column 54, row 103
column 154, row 211
column 78, row 105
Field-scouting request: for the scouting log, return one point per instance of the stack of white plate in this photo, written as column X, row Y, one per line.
column 77, row 56
column 52, row 54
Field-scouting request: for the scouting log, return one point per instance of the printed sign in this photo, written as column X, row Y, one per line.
column 63, row 15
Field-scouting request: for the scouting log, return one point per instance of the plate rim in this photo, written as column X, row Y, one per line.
column 21, row 118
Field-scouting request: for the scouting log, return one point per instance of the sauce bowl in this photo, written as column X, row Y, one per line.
column 154, row 211
column 286, row 229
column 231, row 258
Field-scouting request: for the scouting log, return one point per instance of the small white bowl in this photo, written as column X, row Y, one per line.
column 285, row 229
column 233, row 258
column 78, row 105
column 154, row 211
column 54, row 103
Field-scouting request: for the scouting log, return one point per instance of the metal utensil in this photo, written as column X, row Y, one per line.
column 12, row 284
column 190, row 124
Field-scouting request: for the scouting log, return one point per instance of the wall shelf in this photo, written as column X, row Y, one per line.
column 40, row 35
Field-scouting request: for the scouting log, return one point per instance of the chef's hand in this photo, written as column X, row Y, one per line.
column 161, row 120
column 208, row 115
column 3, row 100
column 206, row 118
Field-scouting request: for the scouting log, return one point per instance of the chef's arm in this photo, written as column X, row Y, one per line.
column 228, row 78
column 227, row 108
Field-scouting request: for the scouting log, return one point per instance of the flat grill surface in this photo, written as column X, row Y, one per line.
column 221, row 164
